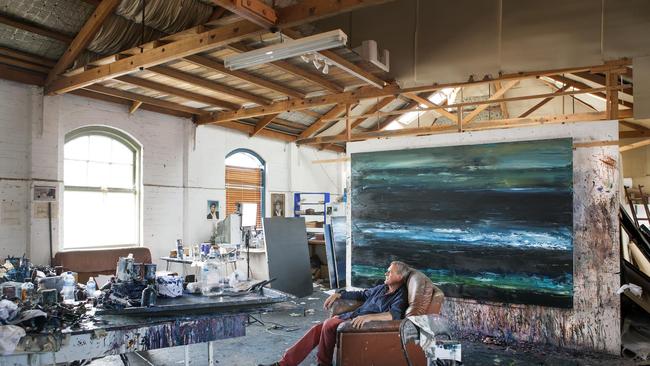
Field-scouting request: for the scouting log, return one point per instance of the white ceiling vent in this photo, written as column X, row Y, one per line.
column 370, row 52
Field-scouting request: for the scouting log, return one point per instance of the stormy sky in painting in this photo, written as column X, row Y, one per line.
column 489, row 222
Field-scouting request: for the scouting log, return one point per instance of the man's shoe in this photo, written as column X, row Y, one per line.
column 270, row 364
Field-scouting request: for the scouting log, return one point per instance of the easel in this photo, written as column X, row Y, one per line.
column 641, row 199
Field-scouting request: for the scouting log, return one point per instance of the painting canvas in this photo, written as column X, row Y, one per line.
column 488, row 222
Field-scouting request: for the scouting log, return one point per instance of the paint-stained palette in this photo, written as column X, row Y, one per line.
column 490, row 222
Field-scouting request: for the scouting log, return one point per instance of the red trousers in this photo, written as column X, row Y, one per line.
column 322, row 335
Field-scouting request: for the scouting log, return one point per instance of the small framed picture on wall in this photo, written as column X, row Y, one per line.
column 213, row 210
column 277, row 202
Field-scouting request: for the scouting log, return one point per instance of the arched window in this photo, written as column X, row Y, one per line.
column 101, row 203
column 245, row 181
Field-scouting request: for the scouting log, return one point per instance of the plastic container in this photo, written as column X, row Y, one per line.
column 68, row 287
column 91, row 287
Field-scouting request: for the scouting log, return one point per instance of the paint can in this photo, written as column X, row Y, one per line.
column 138, row 271
column 124, row 269
column 49, row 297
column 9, row 292
column 149, row 272
column 205, row 248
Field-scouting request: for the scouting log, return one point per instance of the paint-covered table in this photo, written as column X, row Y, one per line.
column 119, row 334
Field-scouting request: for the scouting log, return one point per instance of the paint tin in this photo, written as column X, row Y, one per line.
column 137, row 272
column 205, row 248
column 9, row 292
column 49, row 297
column 150, row 271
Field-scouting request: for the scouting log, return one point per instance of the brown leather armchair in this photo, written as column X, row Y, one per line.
column 90, row 263
column 378, row 343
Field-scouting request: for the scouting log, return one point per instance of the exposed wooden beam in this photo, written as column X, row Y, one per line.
column 295, row 70
column 611, row 102
column 195, row 43
column 83, row 38
column 430, row 104
column 633, row 134
column 344, row 64
column 495, row 124
column 129, row 103
column 503, row 106
column 263, row 122
column 635, row 145
column 355, row 96
column 473, row 114
column 156, row 56
column 320, row 123
column 23, row 64
column 22, row 76
column 383, row 124
column 255, row 11
column 170, row 90
column 299, row 127
column 34, row 28
column 28, row 57
column 260, row 82
column 542, row 103
column 143, row 98
column 634, row 126
column 209, row 84
column 134, row 107
column 601, row 80
column 580, row 86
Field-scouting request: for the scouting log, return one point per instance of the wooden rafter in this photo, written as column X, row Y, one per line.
column 134, row 107
column 22, row 76
column 495, row 124
column 430, row 104
column 23, row 64
column 634, row 126
column 83, row 38
column 143, row 98
column 255, row 11
column 390, row 119
column 203, row 40
column 470, row 117
column 28, row 57
column 262, row 123
column 355, row 96
column 260, row 82
column 321, row 122
column 355, row 122
column 170, row 90
column 580, row 86
column 601, row 80
column 129, row 103
column 295, row 70
column 542, row 103
column 209, row 84
column 634, row 145
column 502, row 105
column 633, row 134
column 343, row 64
column 33, row 28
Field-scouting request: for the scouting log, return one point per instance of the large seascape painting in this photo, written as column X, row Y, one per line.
column 489, row 222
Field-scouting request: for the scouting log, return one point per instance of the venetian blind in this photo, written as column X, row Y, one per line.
column 244, row 185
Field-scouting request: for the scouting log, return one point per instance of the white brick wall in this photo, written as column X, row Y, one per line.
column 178, row 175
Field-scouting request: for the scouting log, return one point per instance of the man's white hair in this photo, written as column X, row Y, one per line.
column 402, row 269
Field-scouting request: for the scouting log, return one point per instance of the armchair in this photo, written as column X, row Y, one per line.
column 378, row 343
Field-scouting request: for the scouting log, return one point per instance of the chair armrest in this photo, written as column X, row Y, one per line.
column 341, row 306
column 376, row 326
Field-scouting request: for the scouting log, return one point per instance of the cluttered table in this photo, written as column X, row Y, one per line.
column 182, row 321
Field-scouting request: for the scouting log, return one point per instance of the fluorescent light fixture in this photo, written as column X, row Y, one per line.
column 287, row 49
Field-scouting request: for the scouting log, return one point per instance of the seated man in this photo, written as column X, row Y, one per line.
column 384, row 302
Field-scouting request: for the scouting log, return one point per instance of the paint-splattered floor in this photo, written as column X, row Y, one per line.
column 264, row 345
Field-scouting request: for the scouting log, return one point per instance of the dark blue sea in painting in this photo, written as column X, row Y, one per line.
column 489, row 222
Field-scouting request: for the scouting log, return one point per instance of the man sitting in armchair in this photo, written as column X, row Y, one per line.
column 384, row 302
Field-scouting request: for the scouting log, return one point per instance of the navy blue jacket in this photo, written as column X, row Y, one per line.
column 377, row 301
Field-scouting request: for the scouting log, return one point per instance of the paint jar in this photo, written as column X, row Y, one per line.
column 149, row 272
column 9, row 292
column 26, row 290
column 179, row 248
column 148, row 296
column 137, row 272
column 49, row 297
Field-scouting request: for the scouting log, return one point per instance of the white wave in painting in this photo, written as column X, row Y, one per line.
column 556, row 239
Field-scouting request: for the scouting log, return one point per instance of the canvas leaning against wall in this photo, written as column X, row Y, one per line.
column 489, row 222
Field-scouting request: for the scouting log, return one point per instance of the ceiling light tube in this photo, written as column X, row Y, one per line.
column 287, row 49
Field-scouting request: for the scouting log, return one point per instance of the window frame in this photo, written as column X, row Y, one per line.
column 263, row 176
column 137, row 189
